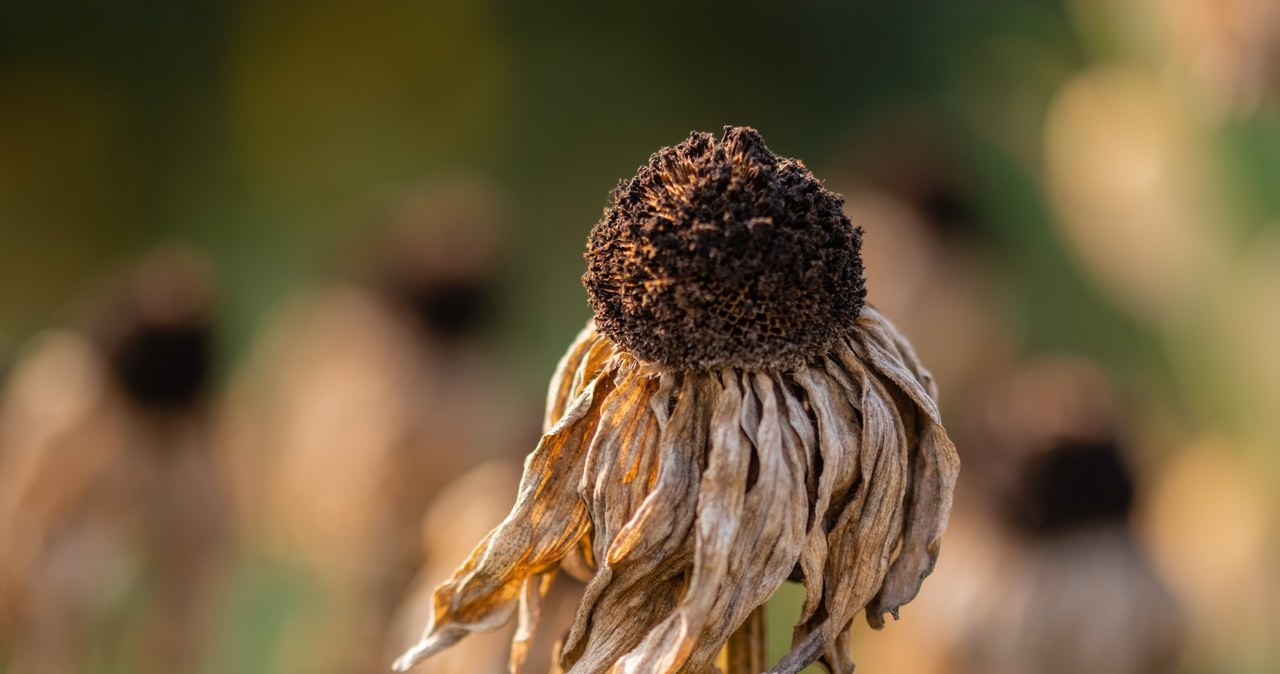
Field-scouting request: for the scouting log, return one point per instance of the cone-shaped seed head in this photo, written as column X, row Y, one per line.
column 720, row 253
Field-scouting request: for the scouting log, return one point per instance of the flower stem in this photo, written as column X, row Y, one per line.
column 744, row 654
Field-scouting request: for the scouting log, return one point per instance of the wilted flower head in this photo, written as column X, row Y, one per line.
column 734, row 416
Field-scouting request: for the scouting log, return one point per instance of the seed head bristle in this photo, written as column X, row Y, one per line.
column 720, row 253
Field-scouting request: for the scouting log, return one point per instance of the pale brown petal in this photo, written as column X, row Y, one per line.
column 839, row 438
column 874, row 326
column 663, row 516
column 620, row 614
column 579, row 366
column 620, row 465
column 772, row 533
column 560, row 391
column 532, row 592
column 719, row 510
column 620, row 472
column 879, row 531
column 639, row 577
column 934, row 468
column 547, row 520
column 862, row 539
column 933, row 474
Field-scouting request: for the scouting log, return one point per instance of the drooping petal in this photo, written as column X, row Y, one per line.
column 719, row 511
column 839, row 441
column 866, row 529
column 579, row 366
column 874, row 327
column 624, row 447
column 620, row 472
column 934, row 468
column 532, row 592
column 642, row 572
column 772, row 532
column 547, row 520
column 880, row 527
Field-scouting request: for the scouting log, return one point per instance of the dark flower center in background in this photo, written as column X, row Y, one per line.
column 449, row 309
column 156, row 329
column 1076, row 483
column 165, row 366
column 720, row 253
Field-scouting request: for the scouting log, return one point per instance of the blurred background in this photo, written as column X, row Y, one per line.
column 281, row 286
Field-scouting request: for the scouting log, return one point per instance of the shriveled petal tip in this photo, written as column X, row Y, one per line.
column 438, row 638
column 423, row 650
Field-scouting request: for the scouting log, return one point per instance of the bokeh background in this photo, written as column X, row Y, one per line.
column 355, row 231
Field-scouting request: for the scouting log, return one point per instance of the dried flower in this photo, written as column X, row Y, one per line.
column 734, row 416
column 113, row 507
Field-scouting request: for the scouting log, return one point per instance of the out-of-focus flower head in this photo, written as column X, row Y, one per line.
column 925, row 257
column 436, row 255
column 1060, row 583
column 365, row 398
column 112, row 504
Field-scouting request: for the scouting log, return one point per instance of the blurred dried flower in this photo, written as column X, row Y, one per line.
column 363, row 401
column 933, row 276
column 734, row 416
column 1059, row 582
column 435, row 254
column 112, row 503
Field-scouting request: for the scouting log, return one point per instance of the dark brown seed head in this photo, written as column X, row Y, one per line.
column 719, row 254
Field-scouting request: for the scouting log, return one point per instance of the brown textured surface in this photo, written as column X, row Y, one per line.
column 719, row 253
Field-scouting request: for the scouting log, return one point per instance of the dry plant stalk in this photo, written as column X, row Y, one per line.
column 733, row 417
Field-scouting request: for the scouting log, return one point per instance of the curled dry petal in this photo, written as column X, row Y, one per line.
column 692, row 495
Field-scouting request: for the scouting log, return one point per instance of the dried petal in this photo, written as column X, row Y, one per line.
column 580, row 365
column 694, row 495
column 545, row 523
